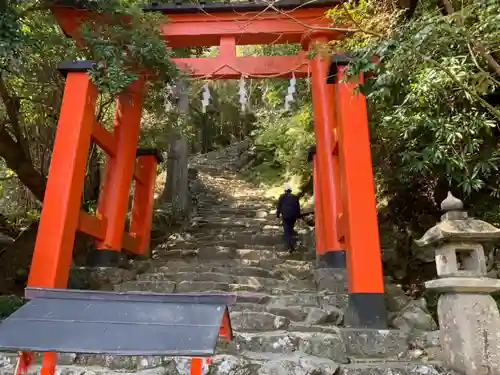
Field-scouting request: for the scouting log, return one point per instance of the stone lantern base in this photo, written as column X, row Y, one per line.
column 470, row 333
column 469, row 321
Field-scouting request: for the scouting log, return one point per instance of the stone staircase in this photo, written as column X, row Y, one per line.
column 283, row 324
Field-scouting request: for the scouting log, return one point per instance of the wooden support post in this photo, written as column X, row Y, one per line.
column 119, row 172
column 61, row 206
column 339, row 186
column 325, row 122
column 318, row 220
column 142, row 204
column 104, row 139
column 103, row 200
column 364, row 261
column 196, row 366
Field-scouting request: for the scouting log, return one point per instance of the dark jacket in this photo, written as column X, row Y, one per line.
column 288, row 207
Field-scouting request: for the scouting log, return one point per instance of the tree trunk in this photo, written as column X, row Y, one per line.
column 205, row 135
column 15, row 158
column 92, row 179
column 176, row 184
column 14, row 149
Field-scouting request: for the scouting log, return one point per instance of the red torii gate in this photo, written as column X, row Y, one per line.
column 346, row 230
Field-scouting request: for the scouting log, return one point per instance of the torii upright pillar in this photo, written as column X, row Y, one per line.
column 364, row 262
column 119, row 173
column 59, row 220
column 327, row 202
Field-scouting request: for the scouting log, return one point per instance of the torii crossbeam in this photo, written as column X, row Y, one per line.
column 229, row 25
column 346, row 232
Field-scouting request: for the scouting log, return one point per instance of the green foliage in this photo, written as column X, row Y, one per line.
column 124, row 40
column 10, row 35
column 9, row 304
column 31, row 46
column 284, row 139
column 125, row 27
column 429, row 102
column 434, row 105
column 433, row 111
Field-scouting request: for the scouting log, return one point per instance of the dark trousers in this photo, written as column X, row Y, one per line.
column 288, row 233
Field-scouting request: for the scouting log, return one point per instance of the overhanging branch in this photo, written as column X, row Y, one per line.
column 12, row 107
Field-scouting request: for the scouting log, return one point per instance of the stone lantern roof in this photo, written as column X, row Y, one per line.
column 456, row 225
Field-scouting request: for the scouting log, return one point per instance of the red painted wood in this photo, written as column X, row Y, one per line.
column 59, row 220
column 104, row 139
column 61, row 206
column 189, row 30
column 318, row 210
column 120, row 168
column 141, row 220
column 324, row 124
column 359, row 219
column 227, row 67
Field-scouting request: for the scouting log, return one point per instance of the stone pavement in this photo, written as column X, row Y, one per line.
column 283, row 324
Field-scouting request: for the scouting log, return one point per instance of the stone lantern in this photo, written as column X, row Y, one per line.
column 469, row 320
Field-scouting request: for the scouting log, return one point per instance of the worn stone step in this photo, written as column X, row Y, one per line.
column 286, row 302
column 201, row 286
column 301, row 318
column 305, row 299
column 263, row 233
column 279, row 304
column 247, row 306
column 257, row 229
column 229, row 224
column 329, row 346
column 297, row 268
column 197, row 265
column 304, row 364
column 339, row 346
column 231, row 250
column 266, row 283
column 216, row 220
column 185, row 286
column 235, row 214
column 84, row 370
column 226, row 250
column 208, row 242
column 259, row 239
column 270, row 364
column 233, row 267
column 240, row 238
column 236, row 205
column 258, row 283
column 175, row 254
column 275, row 267
column 179, row 276
column 394, row 367
column 230, row 211
column 199, row 251
column 102, row 364
column 196, row 243
column 260, row 254
column 258, row 321
column 225, row 364
column 146, row 286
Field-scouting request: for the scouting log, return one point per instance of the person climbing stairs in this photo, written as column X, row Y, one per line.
column 283, row 324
